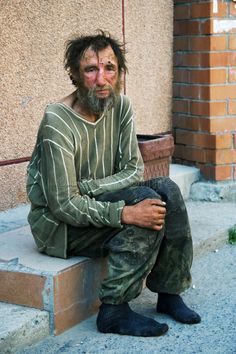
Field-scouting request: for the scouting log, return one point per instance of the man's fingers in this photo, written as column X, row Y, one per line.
column 157, row 227
column 157, row 202
column 161, row 210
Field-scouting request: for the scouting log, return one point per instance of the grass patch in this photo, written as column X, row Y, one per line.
column 232, row 235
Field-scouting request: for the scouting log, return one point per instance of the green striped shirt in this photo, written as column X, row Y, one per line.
column 75, row 160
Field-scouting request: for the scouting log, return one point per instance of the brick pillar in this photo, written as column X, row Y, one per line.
column 204, row 103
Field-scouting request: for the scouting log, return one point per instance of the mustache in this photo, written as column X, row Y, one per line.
column 107, row 87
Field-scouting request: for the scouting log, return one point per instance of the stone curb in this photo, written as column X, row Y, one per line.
column 21, row 326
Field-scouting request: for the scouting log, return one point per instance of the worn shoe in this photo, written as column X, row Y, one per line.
column 174, row 306
column 121, row 319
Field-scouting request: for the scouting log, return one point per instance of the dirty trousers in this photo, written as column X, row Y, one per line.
column 163, row 258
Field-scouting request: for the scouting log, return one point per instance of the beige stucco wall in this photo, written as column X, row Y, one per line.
column 149, row 36
column 32, row 38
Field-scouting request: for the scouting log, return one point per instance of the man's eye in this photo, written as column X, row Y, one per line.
column 90, row 70
column 110, row 68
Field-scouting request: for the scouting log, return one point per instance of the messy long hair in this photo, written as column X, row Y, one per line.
column 76, row 47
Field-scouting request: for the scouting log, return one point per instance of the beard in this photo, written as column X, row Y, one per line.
column 89, row 100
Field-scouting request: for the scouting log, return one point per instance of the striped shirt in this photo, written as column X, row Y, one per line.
column 74, row 161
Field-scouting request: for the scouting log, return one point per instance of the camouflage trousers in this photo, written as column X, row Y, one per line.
column 134, row 254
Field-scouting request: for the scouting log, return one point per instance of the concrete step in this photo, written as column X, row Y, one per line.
column 67, row 289
column 184, row 177
column 21, row 326
column 14, row 218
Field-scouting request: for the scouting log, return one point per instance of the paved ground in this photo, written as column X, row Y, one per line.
column 210, row 223
column 213, row 296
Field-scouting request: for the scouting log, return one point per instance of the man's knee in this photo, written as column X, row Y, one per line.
column 172, row 187
column 173, row 192
column 131, row 195
column 137, row 194
column 167, row 188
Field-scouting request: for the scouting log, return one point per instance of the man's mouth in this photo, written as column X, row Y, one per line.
column 103, row 92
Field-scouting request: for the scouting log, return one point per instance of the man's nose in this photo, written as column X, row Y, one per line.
column 101, row 79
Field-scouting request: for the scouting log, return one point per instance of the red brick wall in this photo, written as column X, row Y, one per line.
column 204, row 104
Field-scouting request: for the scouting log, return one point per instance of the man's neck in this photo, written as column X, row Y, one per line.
column 73, row 102
column 83, row 112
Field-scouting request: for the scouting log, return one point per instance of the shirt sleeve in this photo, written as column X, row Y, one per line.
column 129, row 166
column 60, row 185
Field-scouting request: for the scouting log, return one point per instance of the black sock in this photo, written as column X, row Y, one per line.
column 122, row 320
column 174, row 306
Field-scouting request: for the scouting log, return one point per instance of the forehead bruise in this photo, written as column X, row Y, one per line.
column 107, row 55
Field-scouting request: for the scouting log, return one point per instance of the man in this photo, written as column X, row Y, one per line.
column 87, row 198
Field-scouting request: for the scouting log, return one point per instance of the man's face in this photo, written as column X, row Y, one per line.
column 99, row 80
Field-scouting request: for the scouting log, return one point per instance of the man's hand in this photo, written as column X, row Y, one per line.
column 149, row 213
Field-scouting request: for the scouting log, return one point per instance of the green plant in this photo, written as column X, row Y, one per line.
column 232, row 235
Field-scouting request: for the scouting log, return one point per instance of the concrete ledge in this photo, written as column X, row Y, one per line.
column 13, row 218
column 67, row 289
column 214, row 191
column 184, row 177
column 20, row 327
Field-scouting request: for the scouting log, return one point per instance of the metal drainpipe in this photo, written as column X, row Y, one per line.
column 14, row 161
column 123, row 33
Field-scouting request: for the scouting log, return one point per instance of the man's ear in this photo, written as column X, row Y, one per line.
column 74, row 82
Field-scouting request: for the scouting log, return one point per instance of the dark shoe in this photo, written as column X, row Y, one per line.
column 174, row 306
column 122, row 320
